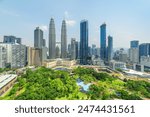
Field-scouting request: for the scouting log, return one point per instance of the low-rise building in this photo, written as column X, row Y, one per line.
column 97, row 61
column 135, row 73
column 59, row 62
column 6, row 82
column 115, row 65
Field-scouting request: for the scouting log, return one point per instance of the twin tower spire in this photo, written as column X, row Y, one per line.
column 52, row 40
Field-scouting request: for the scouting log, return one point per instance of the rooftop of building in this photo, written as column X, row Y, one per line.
column 117, row 62
column 144, row 44
column 103, row 25
column 84, row 20
column 5, row 79
column 11, row 43
column 138, row 73
column 134, row 41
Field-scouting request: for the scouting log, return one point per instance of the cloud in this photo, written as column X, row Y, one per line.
column 44, row 27
column 70, row 22
column 66, row 14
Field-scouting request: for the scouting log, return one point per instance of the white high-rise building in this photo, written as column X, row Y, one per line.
column 123, row 57
column 3, row 57
column 134, row 52
column 134, row 55
column 15, row 54
column 73, row 49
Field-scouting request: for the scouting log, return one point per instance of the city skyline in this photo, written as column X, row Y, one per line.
column 125, row 21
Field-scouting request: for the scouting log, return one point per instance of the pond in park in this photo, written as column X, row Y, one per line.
column 83, row 87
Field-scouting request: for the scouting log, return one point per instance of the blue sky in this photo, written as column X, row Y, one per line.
column 126, row 19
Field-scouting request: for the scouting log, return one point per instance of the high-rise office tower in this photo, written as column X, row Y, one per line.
column 52, row 40
column 44, row 43
column 89, row 51
column 134, row 55
column 110, row 48
column 123, row 56
column 39, row 42
column 134, row 44
column 97, row 52
column 103, row 42
column 63, row 40
column 38, row 38
column 57, row 52
column 93, row 49
column 144, row 49
column 77, row 49
column 144, row 54
column 73, row 48
column 134, row 51
column 69, row 49
column 83, row 42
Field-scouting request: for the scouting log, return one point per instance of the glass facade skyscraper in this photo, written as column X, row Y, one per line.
column 144, row 49
column 110, row 48
column 134, row 44
column 38, row 38
column 103, row 42
column 83, row 42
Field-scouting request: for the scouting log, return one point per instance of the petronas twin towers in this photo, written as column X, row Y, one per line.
column 63, row 40
column 52, row 40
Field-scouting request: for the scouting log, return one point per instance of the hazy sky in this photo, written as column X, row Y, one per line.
column 126, row 19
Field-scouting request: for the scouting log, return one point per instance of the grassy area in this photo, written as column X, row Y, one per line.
column 4, row 70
